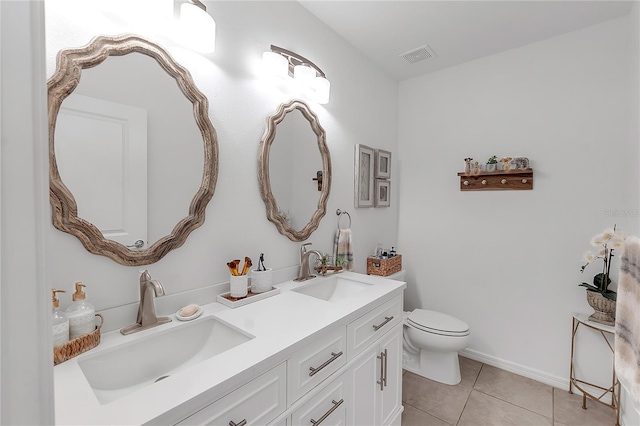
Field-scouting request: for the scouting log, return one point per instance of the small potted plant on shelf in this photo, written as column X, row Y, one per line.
column 599, row 297
column 492, row 163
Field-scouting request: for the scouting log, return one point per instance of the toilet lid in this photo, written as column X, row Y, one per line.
column 437, row 322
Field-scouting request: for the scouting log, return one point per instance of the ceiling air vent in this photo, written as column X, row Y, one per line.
column 419, row 54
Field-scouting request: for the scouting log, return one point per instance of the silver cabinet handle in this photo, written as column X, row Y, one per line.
column 384, row 379
column 138, row 244
column 381, row 382
column 328, row 413
column 386, row 320
column 242, row 423
column 334, row 356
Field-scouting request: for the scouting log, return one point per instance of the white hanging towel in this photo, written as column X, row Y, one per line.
column 343, row 247
column 627, row 341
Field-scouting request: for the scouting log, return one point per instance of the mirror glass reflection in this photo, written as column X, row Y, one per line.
column 294, row 161
column 129, row 150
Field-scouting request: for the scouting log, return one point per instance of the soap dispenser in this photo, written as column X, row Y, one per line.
column 81, row 314
column 59, row 320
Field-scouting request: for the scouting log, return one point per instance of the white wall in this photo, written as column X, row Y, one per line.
column 236, row 224
column 507, row 262
column 26, row 368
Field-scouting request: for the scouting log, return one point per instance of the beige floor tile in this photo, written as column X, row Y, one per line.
column 485, row 410
column 414, row 417
column 518, row 390
column 469, row 370
column 442, row 401
column 568, row 410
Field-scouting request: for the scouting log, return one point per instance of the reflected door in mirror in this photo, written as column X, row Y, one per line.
column 101, row 148
column 294, row 162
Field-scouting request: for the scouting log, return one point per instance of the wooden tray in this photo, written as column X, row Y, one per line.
column 234, row 302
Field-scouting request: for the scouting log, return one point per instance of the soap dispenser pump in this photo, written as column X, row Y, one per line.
column 81, row 314
column 59, row 320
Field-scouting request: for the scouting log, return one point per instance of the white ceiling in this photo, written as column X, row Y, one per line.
column 457, row 31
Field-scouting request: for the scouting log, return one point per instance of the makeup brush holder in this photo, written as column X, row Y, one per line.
column 261, row 281
column 238, row 286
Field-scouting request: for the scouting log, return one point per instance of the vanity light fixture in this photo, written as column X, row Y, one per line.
column 285, row 64
column 197, row 26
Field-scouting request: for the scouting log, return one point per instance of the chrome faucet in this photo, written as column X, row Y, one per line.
column 304, row 275
column 147, row 317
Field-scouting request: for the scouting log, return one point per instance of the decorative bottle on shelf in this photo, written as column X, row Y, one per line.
column 81, row 314
column 59, row 320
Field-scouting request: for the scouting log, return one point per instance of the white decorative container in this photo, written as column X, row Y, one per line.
column 238, row 286
column 261, row 281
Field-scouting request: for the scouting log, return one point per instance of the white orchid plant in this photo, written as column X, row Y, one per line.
column 608, row 241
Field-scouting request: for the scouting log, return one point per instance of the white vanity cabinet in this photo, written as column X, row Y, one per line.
column 256, row 403
column 318, row 360
column 328, row 407
column 363, row 388
column 377, row 382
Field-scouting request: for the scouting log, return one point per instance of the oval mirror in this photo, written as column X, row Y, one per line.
column 126, row 127
column 294, row 170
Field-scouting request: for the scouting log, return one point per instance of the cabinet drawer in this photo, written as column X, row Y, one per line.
column 257, row 402
column 327, row 407
column 315, row 362
column 366, row 329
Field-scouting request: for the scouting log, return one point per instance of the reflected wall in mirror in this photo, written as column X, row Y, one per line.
column 127, row 127
column 293, row 150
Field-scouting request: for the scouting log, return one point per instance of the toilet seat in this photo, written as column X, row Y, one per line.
column 437, row 323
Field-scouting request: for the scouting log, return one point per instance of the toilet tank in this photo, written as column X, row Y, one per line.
column 398, row 276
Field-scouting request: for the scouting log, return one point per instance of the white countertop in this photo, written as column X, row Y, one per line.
column 281, row 325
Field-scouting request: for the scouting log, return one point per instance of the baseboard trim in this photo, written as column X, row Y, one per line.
column 521, row 370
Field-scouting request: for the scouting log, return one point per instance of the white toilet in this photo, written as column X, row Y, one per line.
column 431, row 343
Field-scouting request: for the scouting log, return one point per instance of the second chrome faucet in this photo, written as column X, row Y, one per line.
column 147, row 317
column 304, row 274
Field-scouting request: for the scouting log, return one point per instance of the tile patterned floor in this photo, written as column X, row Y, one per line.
column 488, row 396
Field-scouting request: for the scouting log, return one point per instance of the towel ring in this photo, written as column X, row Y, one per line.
column 340, row 213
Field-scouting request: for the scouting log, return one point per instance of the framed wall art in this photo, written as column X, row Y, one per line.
column 383, row 193
column 383, row 164
column 364, row 176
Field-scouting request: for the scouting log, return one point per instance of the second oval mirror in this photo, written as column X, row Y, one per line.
column 294, row 170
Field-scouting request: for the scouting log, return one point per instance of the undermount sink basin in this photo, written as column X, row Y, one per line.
column 126, row 368
column 332, row 290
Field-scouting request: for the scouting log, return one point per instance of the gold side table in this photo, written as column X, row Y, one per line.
column 614, row 389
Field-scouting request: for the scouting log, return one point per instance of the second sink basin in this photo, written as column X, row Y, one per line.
column 333, row 289
column 126, row 368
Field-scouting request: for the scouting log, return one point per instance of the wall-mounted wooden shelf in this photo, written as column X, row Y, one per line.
column 500, row 180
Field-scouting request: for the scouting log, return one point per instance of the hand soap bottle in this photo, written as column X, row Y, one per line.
column 81, row 314
column 59, row 320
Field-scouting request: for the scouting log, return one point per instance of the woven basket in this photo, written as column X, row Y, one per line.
column 384, row 267
column 75, row 347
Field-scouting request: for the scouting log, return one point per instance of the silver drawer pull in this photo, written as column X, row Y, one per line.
column 381, row 382
column 242, row 423
column 334, row 356
column 386, row 320
column 328, row 413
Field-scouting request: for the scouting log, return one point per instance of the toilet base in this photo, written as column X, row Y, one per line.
column 442, row 367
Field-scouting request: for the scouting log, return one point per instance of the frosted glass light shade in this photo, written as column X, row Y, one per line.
column 198, row 27
column 275, row 65
column 322, row 87
column 304, row 75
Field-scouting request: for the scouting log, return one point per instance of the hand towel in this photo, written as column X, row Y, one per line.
column 343, row 247
column 627, row 340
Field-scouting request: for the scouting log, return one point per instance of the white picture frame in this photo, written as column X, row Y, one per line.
column 364, row 176
column 383, row 164
column 383, row 193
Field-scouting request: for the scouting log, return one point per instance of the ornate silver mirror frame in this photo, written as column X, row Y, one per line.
column 266, row 192
column 70, row 64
